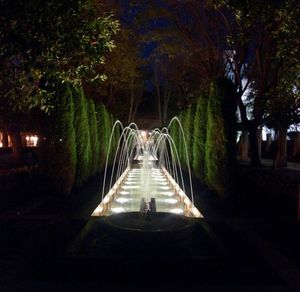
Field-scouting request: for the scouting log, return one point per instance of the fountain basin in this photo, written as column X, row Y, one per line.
column 154, row 228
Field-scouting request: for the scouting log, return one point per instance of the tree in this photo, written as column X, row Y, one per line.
column 45, row 42
column 104, row 131
column 181, row 152
column 123, row 68
column 94, row 140
column 200, row 123
column 188, row 129
column 65, row 38
column 82, row 134
column 261, row 38
column 58, row 150
column 100, row 119
column 175, row 133
column 226, row 91
column 216, row 155
column 283, row 110
column 245, row 41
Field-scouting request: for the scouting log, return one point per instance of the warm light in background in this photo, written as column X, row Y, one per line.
column 31, row 141
column 144, row 135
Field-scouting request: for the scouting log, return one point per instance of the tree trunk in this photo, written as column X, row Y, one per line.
column 244, row 146
column 268, row 143
column 5, row 139
column 259, row 140
column 16, row 146
column 298, row 207
column 254, row 151
column 281, row 148
column 296, row 144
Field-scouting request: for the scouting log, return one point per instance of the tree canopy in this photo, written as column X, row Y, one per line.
column 41, row 39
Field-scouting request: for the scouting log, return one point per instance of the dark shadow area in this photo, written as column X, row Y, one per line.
column 56, row 246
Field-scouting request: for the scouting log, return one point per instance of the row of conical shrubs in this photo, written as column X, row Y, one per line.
column 77, row 134
column 209, row 127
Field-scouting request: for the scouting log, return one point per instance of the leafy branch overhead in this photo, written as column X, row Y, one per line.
column 42, row 41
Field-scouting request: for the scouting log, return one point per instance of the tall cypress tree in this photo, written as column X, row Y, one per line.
column 104, row 129
column 93, row 137
column 174, row 132
column 200, row 123
column 99, row 108
column 82, row 131
column 59, row 148
column 115, row 135
column 227, row 92
column 188, row 129
column 216, row 154
column 181, row 152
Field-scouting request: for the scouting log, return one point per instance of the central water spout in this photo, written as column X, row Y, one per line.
column 145, row 173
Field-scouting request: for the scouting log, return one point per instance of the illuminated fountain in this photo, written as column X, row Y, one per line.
column 146, row 175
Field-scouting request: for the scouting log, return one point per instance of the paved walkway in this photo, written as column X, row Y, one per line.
column 269, row 163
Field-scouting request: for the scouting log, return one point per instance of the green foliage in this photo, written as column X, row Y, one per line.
column 105, row 123
column 117, row 133
column 182, row 116
column 271, row 30
column 82, row 131
column 58, row 160
column 215, row 155
column 188, row 130
column 227, row 93
column 123, row 67
column 174, row 132
column 200, row 124
column 94, row 140
column 107, row 132
column 100, row 112
column 113, row 139
column 216, row 150
column 67, row 39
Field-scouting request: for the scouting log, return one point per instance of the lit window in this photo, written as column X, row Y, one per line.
column 31, row 141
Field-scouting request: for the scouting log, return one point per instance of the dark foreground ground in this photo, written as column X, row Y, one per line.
column 53, row 245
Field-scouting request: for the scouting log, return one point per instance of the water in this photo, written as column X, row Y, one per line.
column 146, row 167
